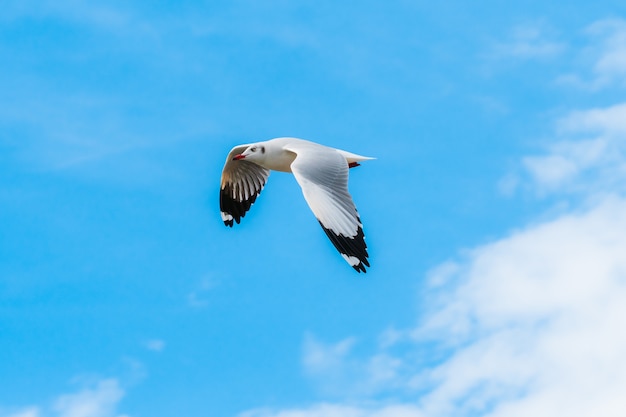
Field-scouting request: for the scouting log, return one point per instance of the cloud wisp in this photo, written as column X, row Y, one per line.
column 589, row 157
column 100, row 399
column 603, row 59
column 529, row 41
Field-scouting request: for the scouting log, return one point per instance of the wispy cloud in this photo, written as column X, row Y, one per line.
column 596, row 62
column 610, row 121
column 590, row 154
column 99, row 399
column 611, row 63
column 335, row 410
column 198, row 297
column 338, row 373
column 588, row 151
column 92, row 14
column 26, row 412
column 155, row 345
column 319, row 357
column 603, row 60
column 68, row 105
column 528, row 41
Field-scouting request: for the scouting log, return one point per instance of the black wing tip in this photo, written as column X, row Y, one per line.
column 230, row 223
column 230, row 219
column 360, row 267
column 232, row 210
column 352, row 249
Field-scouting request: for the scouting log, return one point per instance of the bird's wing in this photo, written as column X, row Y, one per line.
column 242, row 182
column 323, row 176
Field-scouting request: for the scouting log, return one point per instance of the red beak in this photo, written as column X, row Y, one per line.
column 240, row 156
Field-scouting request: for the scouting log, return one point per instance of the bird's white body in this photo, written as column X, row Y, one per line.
column 280, row 153
column 322, row 173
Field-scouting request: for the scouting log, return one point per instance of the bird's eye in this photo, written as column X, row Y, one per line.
column 262, row 149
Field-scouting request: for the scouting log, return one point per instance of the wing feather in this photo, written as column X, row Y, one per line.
column 242, row 182
column 323, row 176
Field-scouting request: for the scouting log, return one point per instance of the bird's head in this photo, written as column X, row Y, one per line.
column 253, row 153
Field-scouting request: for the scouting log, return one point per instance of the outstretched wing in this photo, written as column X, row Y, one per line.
column 242, row 182
column 323, row 176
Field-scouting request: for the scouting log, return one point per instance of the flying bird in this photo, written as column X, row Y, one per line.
column 322, row 173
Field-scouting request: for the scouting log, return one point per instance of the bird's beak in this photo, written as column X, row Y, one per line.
column 240, row 156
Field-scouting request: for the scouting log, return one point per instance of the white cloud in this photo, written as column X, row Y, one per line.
column 610, row 66
column 529, row 41
column 542, row 310
column 609, row 121
column 333, row 410
column 595, row 163
column 590, row 154
column 97, row 400
column 565, row 162
column 604, row 59
column 337, row 373
column 319, row 357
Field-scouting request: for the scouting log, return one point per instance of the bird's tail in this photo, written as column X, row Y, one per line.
column 353, row 158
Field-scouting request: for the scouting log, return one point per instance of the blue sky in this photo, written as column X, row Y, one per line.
column 493, row 213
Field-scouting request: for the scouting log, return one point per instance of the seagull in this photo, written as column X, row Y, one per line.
column 322, row 173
